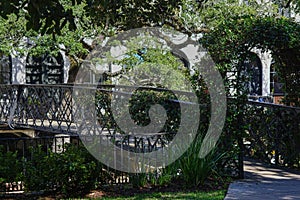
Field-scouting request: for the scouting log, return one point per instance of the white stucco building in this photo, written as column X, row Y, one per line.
column 25, row 69
column 264, row 81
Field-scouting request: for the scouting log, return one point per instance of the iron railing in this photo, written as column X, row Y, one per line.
column 39, row 107
column 54, row 110
column 273, row 133
column 23, row 148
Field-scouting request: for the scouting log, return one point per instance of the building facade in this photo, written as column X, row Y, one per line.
column 26, row 69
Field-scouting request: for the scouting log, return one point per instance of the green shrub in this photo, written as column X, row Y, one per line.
column 36, row 171
column 10, row 167
column 138, row 180
column 166, row 175
column 195, row 170
column 189, row 168
column 160, row 177
column 78, row 171
column 71, row 173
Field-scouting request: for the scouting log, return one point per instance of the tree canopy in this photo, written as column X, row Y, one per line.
column 231, row 29
column 54, row 22
column 65, row 25
column 53, row 15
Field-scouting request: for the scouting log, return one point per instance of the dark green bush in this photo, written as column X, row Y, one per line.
column 10, row 167
column 141, row 102
column 36, row 175
column 195, row 170
column 71, row 173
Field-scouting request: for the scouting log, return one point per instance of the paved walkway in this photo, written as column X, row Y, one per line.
column 264, row 182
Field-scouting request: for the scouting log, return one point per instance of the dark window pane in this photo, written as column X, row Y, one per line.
column 5, row 69
column 253, row 74
column 44, row 69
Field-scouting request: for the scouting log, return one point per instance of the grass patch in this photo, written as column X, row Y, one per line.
column 211, row 195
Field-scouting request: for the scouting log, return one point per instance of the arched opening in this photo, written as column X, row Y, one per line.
column 253, row 74
column 5, row 69
column 45, row 69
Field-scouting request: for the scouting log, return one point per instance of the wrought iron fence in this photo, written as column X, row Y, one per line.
column 40, row 107
column 273, row 133
column 18, row 151
column 53, row 109
column 14, row 152
column 273, row 130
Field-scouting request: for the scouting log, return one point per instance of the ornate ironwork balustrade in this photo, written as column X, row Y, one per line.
column 61, row 109
column 52, row 108
column 38, row 107
column 273, row 133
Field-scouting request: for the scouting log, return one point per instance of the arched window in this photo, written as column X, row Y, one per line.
column 5, row 69
column 253, row 67
column 45, row 69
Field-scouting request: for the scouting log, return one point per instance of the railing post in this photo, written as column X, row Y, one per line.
column 278, row 135
column 241, row 158
column 240, row 141
column 14, row 105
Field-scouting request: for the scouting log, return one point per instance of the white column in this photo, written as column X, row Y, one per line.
column 18, row 68
column 66, row 67
column 266, row 60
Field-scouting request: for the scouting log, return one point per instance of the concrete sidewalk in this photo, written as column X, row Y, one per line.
column 264, row 182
